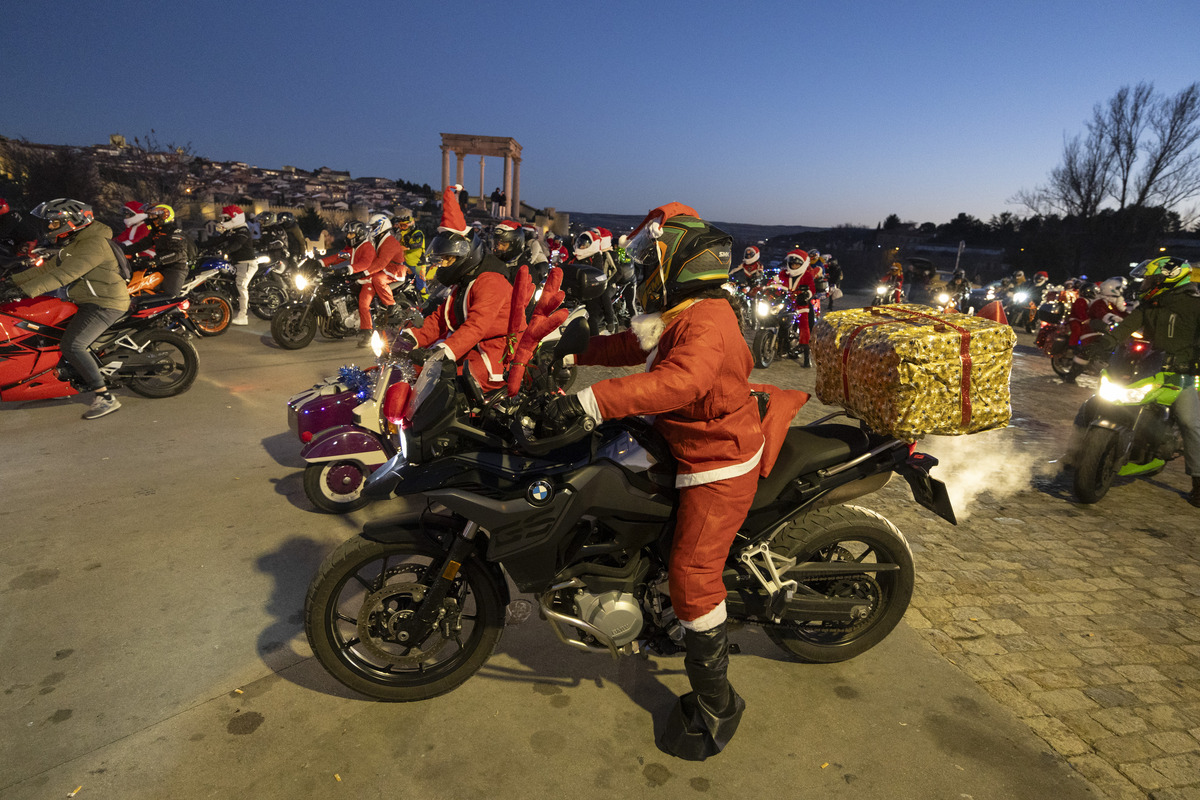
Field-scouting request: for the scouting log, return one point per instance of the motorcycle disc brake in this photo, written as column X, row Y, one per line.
column 379, row 620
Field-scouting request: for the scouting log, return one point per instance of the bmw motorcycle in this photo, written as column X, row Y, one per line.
column 582, row 518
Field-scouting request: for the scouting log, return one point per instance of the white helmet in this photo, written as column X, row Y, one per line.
column 378, row 224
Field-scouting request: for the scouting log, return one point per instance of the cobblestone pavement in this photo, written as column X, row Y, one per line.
column 1083, row 620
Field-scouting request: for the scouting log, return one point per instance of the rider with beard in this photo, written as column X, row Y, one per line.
column 1168, row 314
column 696, row 386
column 799, row 276
column 88, row 267
column 169, row 245
column 749, row 272
column 471, row 326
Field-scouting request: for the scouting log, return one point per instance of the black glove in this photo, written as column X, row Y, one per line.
column 563, row 410
column 9, row 292
column 418, row 354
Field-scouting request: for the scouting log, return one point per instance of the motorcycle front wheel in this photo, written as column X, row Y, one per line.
column 841, row 534
column 335, row 487
column 766, row 342
column 292, row 327
column 1097, row 465
column 211, row 313
column 363, row 595
column 167, row 366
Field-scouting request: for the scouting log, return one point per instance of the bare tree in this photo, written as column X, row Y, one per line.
column 1120, row 126
column 1171, row 174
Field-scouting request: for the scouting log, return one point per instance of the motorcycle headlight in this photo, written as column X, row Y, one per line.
column 300, row 281
column 880, row 290
column 776, row 308
column 762, row 308
column 1020, row 297
column 1121, row 394
column 943, row 299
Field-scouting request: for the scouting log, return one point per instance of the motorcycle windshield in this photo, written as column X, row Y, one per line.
column 426, row 381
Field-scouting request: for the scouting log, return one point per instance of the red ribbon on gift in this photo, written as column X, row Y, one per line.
column 964, row 351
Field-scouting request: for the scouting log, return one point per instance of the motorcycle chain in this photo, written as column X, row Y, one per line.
column 848, row 627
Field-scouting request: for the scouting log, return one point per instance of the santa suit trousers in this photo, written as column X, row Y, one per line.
column 377, row 286
column 708, row 519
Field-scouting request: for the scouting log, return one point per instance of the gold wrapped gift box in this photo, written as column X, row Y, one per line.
column 909, row 371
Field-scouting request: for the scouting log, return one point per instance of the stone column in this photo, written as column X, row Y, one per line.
column 459, row 174
column 445, row 169
column 515, row 197
column 508, row 184
column 482, row 193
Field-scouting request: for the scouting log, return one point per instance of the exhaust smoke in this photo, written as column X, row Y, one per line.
column 1000, row 463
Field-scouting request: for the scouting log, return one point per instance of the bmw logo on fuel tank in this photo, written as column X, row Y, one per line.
column 539, row 493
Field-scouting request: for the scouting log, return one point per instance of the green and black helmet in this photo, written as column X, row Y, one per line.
column 679, row 257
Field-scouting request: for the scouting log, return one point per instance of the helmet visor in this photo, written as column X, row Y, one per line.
column 644, row 248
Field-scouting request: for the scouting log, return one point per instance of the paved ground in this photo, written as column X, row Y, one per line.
column 154, row 565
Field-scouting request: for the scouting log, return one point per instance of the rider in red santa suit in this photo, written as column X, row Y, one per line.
column 697, row 388
column 135, row 225
column 799, row 276
column 749, row 272
column 471, row 326
column 377, row 275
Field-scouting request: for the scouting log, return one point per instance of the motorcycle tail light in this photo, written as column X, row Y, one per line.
column 185, row 305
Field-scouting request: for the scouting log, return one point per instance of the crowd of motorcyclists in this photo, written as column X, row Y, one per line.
column 662, row 304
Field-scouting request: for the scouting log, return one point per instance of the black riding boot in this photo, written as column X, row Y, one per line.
column 1194, row 497
column 804, row 359
column 704, row 719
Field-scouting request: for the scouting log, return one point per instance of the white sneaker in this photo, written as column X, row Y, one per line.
column 241, row 319
column 102, row 405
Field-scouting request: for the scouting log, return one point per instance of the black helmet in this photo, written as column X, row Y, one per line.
column 1088, row 291
column 508, row 240
column 267, row 218
column 286, row 219
column 679, row 257
column 455, row 256
column 63, row 218
column 356, row 232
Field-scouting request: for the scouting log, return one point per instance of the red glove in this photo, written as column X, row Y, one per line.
column 543, row 321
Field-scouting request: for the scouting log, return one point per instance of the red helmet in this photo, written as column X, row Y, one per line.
column 4, row 209
column 751, row 255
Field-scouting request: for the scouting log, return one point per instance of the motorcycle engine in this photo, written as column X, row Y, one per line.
column 616, row 614
column 342, row 311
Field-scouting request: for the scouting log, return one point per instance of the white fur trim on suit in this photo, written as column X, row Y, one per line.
column 587, row 399
column 648, row 328
column 706, row 622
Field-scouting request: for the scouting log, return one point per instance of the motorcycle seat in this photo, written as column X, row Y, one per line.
column 807, row 449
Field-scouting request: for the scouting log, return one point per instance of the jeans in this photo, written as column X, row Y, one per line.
column 89, row 322
column 1187, row 411
column 245, row 271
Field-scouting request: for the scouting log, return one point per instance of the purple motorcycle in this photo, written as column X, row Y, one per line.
column 343, row 429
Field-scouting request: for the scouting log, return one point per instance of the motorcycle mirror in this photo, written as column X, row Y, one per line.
column 582, row 282
column 575, row 338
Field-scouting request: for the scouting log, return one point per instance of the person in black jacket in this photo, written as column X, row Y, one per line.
column 16, row 232
column 170, row 248
column 237, row 245
column 298, row 246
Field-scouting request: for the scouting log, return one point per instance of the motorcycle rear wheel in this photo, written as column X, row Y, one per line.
column 1061, row 363
column 211, row 312
column 846, row 533
column 177, row 364
column 766, row 343
column 365, row 589
column 269, row 298
column 335, row 487
column 1096, row 465
column 290, row 329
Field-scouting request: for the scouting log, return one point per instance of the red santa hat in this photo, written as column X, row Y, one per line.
column 804, row 261
column 135, row 212
column 752, row 255
column 508, row 225
column 453, row 220
column 605, row 238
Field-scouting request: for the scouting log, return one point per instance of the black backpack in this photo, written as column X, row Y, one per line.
column 122, row 262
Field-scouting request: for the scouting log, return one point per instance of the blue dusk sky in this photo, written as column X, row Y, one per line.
column 797, row 112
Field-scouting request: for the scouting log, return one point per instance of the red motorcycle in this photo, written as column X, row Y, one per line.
column 139, row 351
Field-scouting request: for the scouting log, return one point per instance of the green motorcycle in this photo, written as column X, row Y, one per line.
column 1128, row 428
